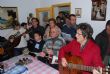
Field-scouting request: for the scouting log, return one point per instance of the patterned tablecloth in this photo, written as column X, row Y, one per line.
column 36, row 67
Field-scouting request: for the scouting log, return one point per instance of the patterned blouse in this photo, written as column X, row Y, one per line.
column 54, row 44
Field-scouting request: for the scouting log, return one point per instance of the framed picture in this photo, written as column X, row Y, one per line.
column 78, row 12
column 43, row 14
column 7, row 17
column 98, row 11
column 65, row 8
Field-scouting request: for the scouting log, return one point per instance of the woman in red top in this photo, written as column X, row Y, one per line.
column 84, row 47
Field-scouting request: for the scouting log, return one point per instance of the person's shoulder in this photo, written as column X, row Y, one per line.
column 93, row 45
column 65, row 27
column 47, row 29
column 57, row 26
column 61, row 39
column 57, row 17
column 101, row 34
column 41, row 27
column 42, row 41
column 49, row 39
column 73, row 42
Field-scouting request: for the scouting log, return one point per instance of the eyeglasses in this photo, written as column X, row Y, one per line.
column 78, row 34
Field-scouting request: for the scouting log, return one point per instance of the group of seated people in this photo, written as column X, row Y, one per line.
column 51, row 41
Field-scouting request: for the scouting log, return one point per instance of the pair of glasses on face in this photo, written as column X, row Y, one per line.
column 78, row 34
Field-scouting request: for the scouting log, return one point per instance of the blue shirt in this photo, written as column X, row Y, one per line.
column 69, row 30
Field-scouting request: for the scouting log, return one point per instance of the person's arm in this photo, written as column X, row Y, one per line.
column 44, row 51
column 46, row 34
column 65, row 49
column 42, row 54
column 27, row 37
column 22, row 31
column 97, row 60
column 62, row 52
column 44, row 47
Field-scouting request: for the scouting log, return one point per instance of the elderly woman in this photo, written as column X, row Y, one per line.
column 84, row 47
column 52, row 24
column 52, row 46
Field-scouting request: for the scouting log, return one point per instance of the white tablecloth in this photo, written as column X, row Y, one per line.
column 36, row 67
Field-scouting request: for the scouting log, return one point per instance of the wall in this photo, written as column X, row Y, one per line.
column 24, row 7
column 98, row 26
column 27, row 6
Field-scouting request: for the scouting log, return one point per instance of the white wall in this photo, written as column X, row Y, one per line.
column 27, row 6
column 86, row 6
column 24, row 7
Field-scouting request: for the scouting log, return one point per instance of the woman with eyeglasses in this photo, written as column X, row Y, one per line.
column 82, row 48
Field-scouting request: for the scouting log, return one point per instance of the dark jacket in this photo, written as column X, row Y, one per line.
column 32, row 46
column 102, row 40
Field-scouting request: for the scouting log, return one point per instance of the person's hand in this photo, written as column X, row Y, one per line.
column 97, row 72
column 11, row 40
column 29, row 26
column 42, row 54
column 49, row 51
column 64, row 62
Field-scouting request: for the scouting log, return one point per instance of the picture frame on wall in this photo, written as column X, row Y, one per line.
column 78, row 12
column 98, row 12
column 8, row 15
column 43, row 14
column 65, row 8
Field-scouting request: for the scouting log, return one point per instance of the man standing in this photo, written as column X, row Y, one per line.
column 70, row 28
column 103, row 40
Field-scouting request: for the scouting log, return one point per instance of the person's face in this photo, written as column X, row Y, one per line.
column 53, row 33
column 60, row 14
column 25, row 26
column 51, row 24
column 67, row 21
column 108, row 30
column 73, row 20
column 34, row 23
column 79, row 37
column 37, row 37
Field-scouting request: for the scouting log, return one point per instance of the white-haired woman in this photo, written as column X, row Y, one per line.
column 52, row 24
column 52, row 46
